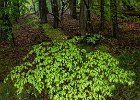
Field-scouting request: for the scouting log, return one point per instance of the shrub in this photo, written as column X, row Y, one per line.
column 68, row 72
column 92, row 39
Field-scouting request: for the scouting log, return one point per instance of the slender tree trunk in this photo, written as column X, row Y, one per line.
column 55, row 13
column 6, row 21
column 43, row 11
column 102, row 20
column 73, row 8
column 62, row 9
column 89, row 26
column 113, row 7
column 62, row 13
column 1, row 19
column 83, row 17
column 85, row 21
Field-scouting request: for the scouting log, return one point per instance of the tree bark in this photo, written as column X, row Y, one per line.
column 6, row 22
column 55, row 13
column 1, row 19
column 43, row 11
column 102, row 20
column 113, row 7
column 83, row 18
column 73, row 9
column 85, row 21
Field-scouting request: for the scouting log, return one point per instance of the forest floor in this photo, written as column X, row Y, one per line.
column 27, row 32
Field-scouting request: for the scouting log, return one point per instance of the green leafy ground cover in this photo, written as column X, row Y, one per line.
column 70, row 64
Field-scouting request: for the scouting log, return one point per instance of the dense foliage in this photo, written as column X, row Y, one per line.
column 69, row 72
column 93, row 38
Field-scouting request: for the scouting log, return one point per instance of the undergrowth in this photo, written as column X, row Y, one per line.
column 129, row 59
column 54, row 34
column 68, row 72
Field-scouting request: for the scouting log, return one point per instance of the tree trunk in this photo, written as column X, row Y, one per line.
column 6, row 22
column 73, row 8
column 1, row 19
column 113, row 7
column 102, row 20
column 85, row 21
column 43, row 11
column 55, row 13
column 89, row 26
column 83, row 17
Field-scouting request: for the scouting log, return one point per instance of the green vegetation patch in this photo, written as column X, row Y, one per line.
column 66, row 72
column 54, row 34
